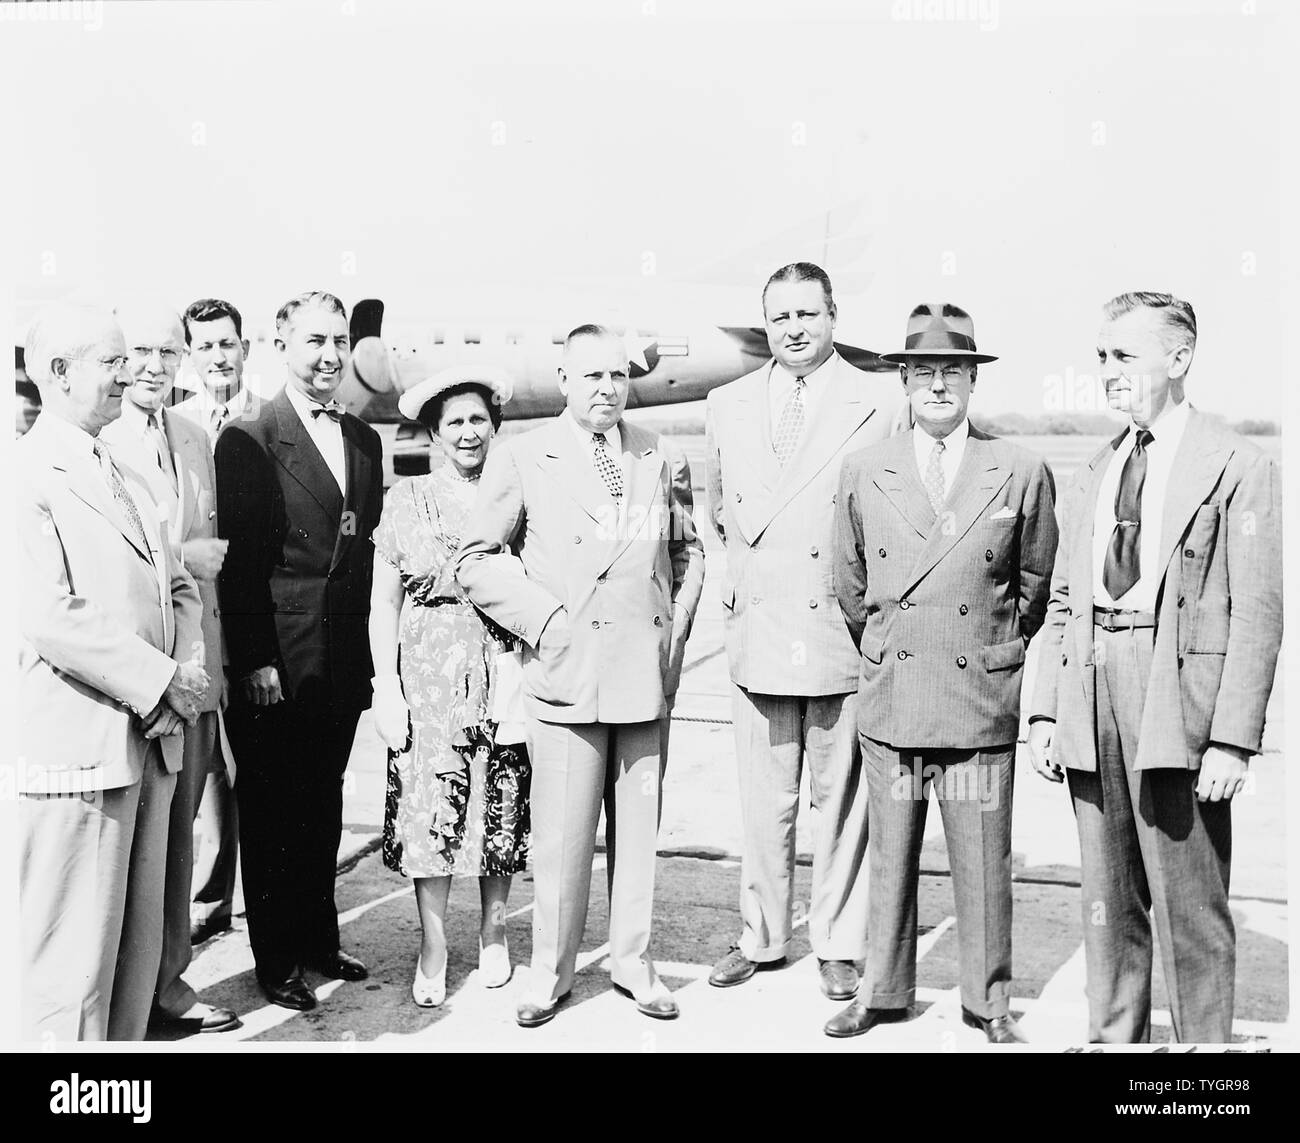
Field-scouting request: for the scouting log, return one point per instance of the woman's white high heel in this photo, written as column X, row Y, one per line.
column 494, row 967
column 429, row 991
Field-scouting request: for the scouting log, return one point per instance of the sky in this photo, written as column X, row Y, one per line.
column 1024, row 160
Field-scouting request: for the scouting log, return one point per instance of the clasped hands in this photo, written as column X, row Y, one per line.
column 179, row 704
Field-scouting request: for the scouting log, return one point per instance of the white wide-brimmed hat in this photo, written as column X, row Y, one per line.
column 496, row 381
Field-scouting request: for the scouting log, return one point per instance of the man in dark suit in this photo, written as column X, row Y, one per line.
column 1158, row 655
column 299, row 490
column 944, row 544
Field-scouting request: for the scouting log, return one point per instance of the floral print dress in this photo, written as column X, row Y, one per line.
column 457, row 801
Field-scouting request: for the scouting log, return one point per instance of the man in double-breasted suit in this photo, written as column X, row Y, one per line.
column 944, row 545
column 603, row 592
column 110, row 668
column 299, row 490
column 217, row 352
column 171, row 454
column 776, row 439
column 1158, row 656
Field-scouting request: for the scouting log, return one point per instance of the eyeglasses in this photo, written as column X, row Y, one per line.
column 112, row 364
column 166, row 354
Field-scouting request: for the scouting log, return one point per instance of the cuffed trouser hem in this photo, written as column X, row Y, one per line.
column 892, row 999
column 763, row 955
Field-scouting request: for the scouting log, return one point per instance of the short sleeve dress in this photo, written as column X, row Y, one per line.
column 457, row 801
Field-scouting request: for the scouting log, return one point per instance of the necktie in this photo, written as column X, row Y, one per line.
column 120, row 494
column 1122, row 566
column 159, row 439
column 220, row 415
column 333, row 410
column 934, row 483
column 608, row 468
column 790, row 427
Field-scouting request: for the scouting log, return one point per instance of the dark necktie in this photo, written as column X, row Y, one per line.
column 1122, row 557
column 608, row 468
column 333, row 410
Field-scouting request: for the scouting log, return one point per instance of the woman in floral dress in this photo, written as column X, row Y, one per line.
column 457, row 801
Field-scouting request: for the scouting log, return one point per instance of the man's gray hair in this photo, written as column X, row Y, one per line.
column 61, row 330
column 311, row 298
column 1177, row 316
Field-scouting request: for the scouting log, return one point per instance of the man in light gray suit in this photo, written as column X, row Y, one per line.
column 171, row 454
column 110, row 667
column 944, row 539
column 607, row 580
column 1158, row 656
column 775, row 442
column 217, row 351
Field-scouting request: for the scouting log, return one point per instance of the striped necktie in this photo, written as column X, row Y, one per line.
column 934, row 482
column 790, row 428
column 121, row 497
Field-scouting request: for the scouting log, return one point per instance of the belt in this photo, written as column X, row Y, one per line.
column 1117, row 619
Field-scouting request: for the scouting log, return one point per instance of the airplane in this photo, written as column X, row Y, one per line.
column 668, row 365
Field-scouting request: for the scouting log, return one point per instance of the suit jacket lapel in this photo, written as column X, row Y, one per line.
column 565, row 462
column 901, row 484
column 298, row 453
column 1198, row 464
column 181, row 445
column 976, row 482
column 760, row 410
column 359, row 478
column 1081, row 586
column 841, row 411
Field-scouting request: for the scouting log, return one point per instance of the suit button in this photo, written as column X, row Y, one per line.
column 577, row 539
column 658, row 622
column 988, row 555
column 595, row 624
column 902, row 655
column 904, row 604
column 1189, row 553
column 1065, row 660
column 1181, row 600
column 212, row 513
column 882, row 553
column 753, row 599
column 812, row 552
column 739, row 498
column 1180, row 662
column 963, row 609
column 216, row 613
column 812, row 603
column 961, row 661
column 600, row 579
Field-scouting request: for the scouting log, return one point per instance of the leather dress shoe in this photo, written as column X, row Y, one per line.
column 292, row 992
column 205, row 1017
column 200, row 931
column 858, row 1018
column 736, row 968
column 530, row 1014
column 840, row 979
column 660, row 1004
column 341, row 966
column 998, row 1029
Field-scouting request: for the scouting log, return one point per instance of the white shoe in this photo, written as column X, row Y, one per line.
column 494, row 966
column 429, row 991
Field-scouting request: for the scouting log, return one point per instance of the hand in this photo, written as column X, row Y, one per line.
column 1223, row 773
column 676, row 650
column 161, row 721
column 1040, row 750
column 554, row 639
column 203, row 558
column 262, row 686
column 186, row 690
column 392, row 715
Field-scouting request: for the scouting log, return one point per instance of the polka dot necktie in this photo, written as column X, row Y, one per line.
column 1123, row 565
column 608, row 468
column 934, row 484
column 790, row 428
column 121, row 497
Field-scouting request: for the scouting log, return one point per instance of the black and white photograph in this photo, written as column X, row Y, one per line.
column 649, row 527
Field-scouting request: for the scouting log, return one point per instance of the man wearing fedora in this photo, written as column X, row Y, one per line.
column 944, row 540
column 776, row 439
column 1161, row 640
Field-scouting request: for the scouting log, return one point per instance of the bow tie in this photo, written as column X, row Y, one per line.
column 334, row 410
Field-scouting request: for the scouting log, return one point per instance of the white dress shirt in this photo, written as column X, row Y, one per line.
column 954, row 448
column 780, row 387
column 326, row 434
column 614, row 438
column 206, row 406
column 1166, row 435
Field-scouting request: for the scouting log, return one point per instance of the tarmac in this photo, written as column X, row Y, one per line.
column 696, row 920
